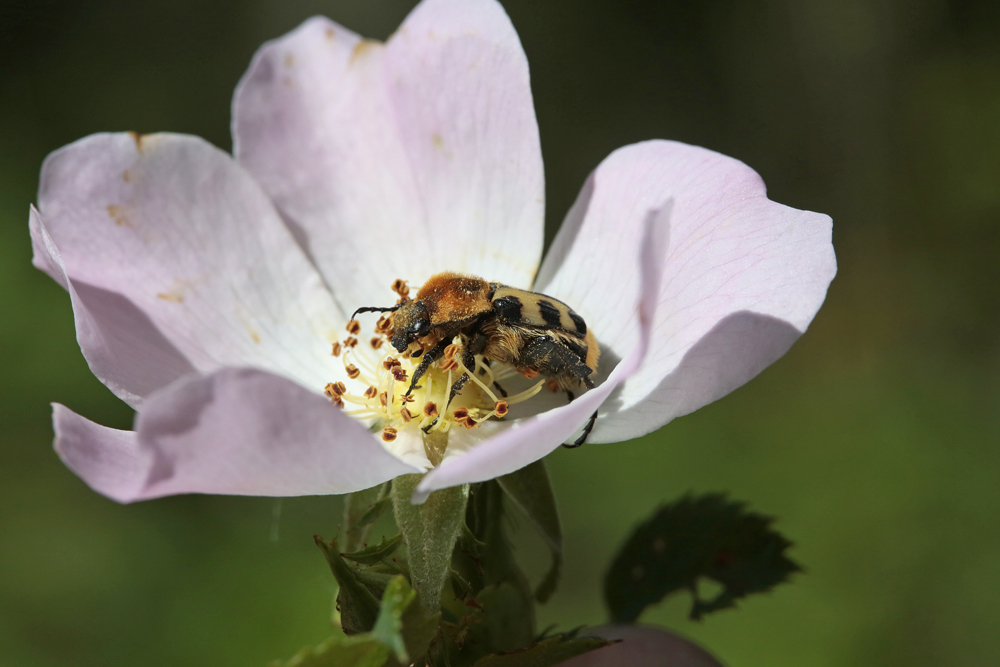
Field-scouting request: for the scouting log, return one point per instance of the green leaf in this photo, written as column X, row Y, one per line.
column 695, row 537
column 402, row 631
column 377, row 553
column 430, row 531
column 361, row 510
column 359, row 608
column 550, row 651
column 388, row 628
column 530, row 490
column 419, row 629
column 357, row 651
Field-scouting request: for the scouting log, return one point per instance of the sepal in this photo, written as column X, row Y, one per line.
column 430, row 531
column 359, row 594
column 361, row 510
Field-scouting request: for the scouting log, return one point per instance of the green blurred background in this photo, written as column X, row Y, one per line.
column 876, row 440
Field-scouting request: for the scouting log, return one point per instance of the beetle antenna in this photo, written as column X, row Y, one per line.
column 371, row 309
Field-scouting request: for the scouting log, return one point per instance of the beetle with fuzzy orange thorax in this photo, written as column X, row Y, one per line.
column 533, row 333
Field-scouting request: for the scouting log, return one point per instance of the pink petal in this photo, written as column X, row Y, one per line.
column 168, row 237
column 528, row 440
column 642, row 646
column 110, row 461
column 235, row 432
column 400, row 160
column 744, row 277
column 122, row 346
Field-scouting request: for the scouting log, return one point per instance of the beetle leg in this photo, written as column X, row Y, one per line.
column 469, row 353
column 430, row 357
column 553, row 359
column 586, row 431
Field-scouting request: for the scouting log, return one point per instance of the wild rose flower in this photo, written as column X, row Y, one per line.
column 209, row 291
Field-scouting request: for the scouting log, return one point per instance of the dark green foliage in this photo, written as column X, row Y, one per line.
column 530, row 491
column 694, row 537
column 361, row 510
column 484, row 558
column 487, row 612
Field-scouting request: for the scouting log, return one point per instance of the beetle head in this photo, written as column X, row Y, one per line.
column 412, row 321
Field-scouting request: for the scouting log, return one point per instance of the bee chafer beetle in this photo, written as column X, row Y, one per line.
column 535, row 334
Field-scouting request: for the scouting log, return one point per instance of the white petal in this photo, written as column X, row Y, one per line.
column 170, row 231
column 108, row 460
column 744, row 277
column 409, row 448
column 400, row 160
column 237, row 432
column 123, row 347
column 248, row 432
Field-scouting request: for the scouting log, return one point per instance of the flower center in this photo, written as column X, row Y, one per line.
column 379, row 392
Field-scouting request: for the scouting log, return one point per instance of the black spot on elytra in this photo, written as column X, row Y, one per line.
column 508, row 309
column 581, row 326
column 550, row 313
